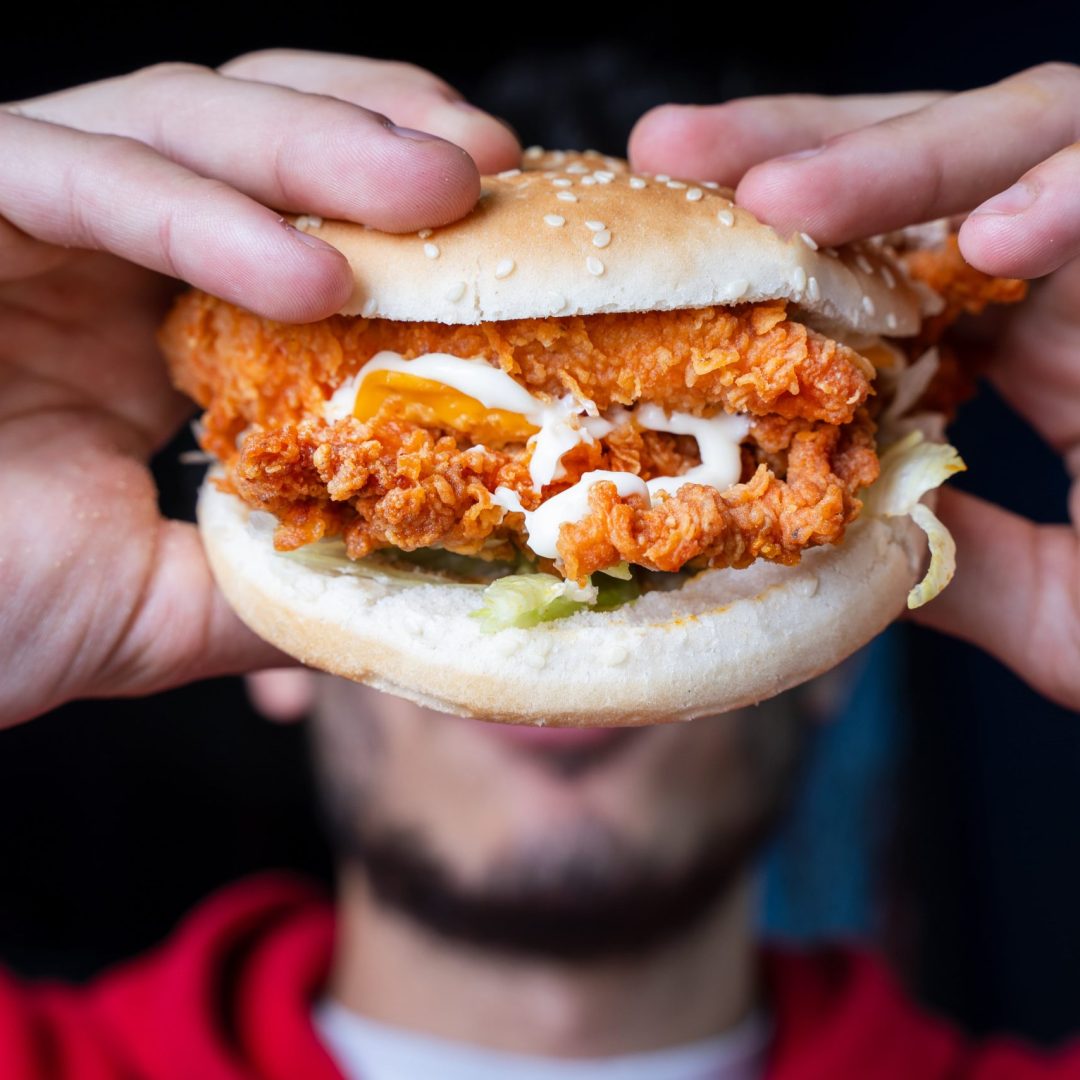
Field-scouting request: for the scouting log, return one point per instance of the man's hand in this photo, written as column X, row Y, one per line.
column 104, row 189
column 1007, row 156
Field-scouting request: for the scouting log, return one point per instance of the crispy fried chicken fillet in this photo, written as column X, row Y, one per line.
column 396, row 480
column 965, row 291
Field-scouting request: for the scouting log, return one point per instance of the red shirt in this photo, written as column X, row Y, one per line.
column 229, row 997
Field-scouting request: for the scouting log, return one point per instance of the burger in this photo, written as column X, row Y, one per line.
column 607, row 450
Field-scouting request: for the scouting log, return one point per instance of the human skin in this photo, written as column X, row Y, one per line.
column 107, row 193
column 842, row 168
column 548, row 815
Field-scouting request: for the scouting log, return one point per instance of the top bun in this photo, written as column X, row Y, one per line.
column 578, row 233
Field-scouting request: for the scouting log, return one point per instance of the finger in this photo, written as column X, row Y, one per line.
column 1033, row 227
column 1016, row 593
column 943, row 159
column 281, row 694
column 720, row 142
column 182, row 629
column 1031, row 353
column 408, row 94
column 301, row 152
column 113, row 194
column 22, row 256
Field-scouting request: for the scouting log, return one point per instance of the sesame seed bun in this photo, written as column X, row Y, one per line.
column 726, row 638
column 578, row 234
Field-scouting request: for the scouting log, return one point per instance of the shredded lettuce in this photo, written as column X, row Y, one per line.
column 525, row 600
column 910, row 385
column 909, row 469
column 614, row 592
column 511, row 597
column 427, row 566
column 942, row 556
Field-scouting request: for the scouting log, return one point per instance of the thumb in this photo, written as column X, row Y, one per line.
column 183, row 629
column 1016, row 593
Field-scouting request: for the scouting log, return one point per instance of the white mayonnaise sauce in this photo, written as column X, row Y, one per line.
column 562, row 427
column 569, row 505
column 564, row 424
column 718, row 439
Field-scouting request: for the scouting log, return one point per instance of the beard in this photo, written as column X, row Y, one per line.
column 580, row 895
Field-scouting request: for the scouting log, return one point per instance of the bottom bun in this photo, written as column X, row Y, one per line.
column 725, row 639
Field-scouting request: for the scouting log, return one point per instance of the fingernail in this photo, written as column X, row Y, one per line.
column 1012, row 200
column 410, row 133
column 310, row 241
column 799, row 155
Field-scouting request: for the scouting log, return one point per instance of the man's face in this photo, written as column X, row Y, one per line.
column 572, row 843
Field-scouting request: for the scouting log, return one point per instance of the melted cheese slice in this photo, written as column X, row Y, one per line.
column 435, row 404
column 475, row 398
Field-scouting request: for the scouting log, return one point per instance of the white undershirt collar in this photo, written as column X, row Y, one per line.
column 366, row 1050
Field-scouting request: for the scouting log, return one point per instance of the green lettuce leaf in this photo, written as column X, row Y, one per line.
column 909, row 469
column 428, row 566
column 525, row 600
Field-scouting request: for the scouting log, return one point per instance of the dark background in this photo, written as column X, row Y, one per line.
column 118, row 816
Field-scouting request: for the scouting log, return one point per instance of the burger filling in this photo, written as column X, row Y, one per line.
column 710, row 437
column 580, row 446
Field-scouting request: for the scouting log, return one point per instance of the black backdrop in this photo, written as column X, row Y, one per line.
column 117, row 816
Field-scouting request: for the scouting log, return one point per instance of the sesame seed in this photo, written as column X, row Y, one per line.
column 455, row 292
column 889, row 277
column 370, row 306
column 662, row 177
column 588, row 181
column 551, row 174
column 556, row 302
column 737, row 288
column 315, row 221
column 424, row 233
column 504, row 268
column 601, row 239
column 562, row 181
column 798, row 279
column 534, row 152
column 637, row 183
column 594, row 226
column 812, row 290
column 566, row 196
column 726, row 217
column 558, row 157
column 868, row 305
column 431, row 251
column 676, row 185
column 604, row 176
column 555, row 220
column 614, row 164
column 712, row 185
column 695, row 194
column 594, row 266
column 808, row 240
column 890, row 321
column 509, row 174
column 864, row 264
column 578, row 168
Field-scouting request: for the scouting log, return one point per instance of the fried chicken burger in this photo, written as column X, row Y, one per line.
column 606, row 451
